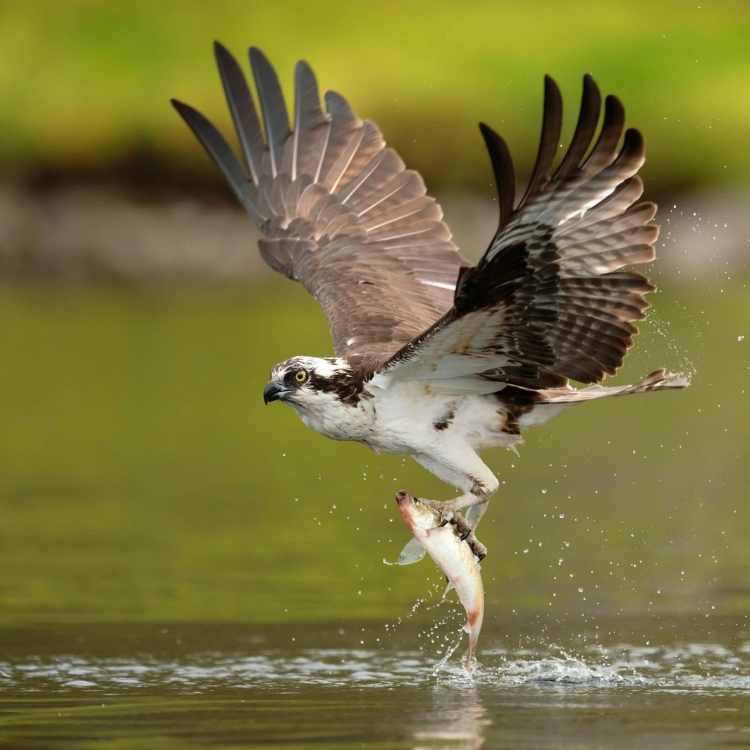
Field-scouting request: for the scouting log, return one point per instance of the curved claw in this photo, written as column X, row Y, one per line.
column 479, row 550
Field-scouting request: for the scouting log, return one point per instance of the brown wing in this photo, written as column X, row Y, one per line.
column 339, row 211
column 548, row 301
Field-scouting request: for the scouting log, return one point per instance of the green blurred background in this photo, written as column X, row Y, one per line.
column 141, row 477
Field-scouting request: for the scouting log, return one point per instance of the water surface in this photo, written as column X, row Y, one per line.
column 314, row 685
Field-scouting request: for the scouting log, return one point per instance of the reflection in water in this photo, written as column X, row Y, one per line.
column 456, row 719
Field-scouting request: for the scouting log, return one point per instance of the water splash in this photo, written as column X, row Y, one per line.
column 677, row 667
column 443, row 661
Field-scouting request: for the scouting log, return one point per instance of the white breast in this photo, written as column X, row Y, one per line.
column 412, row 418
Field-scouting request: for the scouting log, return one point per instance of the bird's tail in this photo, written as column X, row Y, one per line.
column 659, row 380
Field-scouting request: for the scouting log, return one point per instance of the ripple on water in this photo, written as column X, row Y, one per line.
column 691, row 666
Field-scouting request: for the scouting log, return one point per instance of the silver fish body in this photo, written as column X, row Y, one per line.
column 454, row 557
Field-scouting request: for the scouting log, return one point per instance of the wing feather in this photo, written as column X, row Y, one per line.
column 345, row 126
column 311, row 126
column 549, row 140
column 273, row 106
column 242, row 109
column 605, row 149
column 502, row 167
column 588, row 116
column 549, row 300
column 223, row 156
column 338, row 210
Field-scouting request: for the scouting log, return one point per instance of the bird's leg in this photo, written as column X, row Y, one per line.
column 451, row 511
column 466, row 472
column 466, row 534
column 478, row 496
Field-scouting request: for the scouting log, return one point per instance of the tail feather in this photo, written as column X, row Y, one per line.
column 659, row 380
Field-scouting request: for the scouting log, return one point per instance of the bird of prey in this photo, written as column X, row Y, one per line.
column 436, row 358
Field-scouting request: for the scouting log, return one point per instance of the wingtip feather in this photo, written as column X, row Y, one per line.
column 222, row 55
column 183, row 108
column 549, row 139
column 502, row 167
column 255, row 53
column 302, row 67
column 273, row 106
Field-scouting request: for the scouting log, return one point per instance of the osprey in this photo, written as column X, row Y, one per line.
column 435, row 358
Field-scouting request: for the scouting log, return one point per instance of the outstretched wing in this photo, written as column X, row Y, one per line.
column 548, row 300
column 339, row 211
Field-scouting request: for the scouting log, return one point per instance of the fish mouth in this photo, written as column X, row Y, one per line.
column 403, row 497
column 274, row 392
column 405, row 504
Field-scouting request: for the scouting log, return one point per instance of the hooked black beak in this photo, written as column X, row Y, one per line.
column 273, row 392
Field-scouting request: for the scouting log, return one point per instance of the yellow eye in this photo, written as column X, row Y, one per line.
column 300, row 376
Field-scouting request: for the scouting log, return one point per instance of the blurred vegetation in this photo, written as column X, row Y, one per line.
column 84, row 85
column 142, row 478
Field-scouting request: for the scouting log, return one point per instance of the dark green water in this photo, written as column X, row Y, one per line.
column 182, row 566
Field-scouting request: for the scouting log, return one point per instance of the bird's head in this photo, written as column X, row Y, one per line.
column 306, row 381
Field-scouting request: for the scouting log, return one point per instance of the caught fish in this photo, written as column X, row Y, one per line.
column 457, row 553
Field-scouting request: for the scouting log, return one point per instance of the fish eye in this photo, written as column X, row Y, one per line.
column 300, row 376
